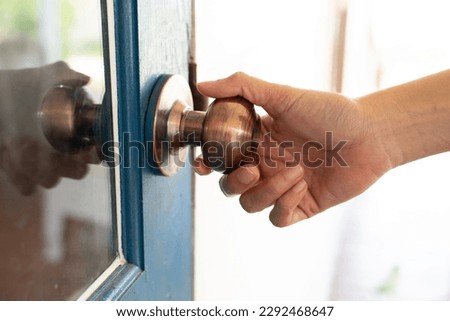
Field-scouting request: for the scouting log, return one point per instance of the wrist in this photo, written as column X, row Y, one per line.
column 381, row 132
column 411, row 121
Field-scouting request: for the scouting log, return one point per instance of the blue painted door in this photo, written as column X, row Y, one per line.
column 151, row 38
column 80, row 224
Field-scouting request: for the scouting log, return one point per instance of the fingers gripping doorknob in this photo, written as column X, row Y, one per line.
column 228, row 132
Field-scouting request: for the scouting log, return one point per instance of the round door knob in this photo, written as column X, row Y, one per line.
column 71, row 122
column 228, row 132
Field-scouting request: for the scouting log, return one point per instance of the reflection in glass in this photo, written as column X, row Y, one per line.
column 56, row 221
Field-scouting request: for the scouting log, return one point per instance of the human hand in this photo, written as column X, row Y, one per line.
column 323, row 152
column 26, row 157
column 28, row 164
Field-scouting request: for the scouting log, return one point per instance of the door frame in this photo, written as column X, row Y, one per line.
column 154, row 224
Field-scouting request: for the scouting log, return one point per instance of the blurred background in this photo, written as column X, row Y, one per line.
column 393, row 241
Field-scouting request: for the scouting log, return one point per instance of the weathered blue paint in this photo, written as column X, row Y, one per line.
column 152, row 38
column 118, row 283
column 127, row 66
column 163, row 30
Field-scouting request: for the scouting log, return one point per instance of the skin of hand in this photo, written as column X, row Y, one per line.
column 25, row 156
column 372, row 144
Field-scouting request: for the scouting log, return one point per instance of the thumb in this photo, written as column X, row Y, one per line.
column 61, row 73
column 272, row 97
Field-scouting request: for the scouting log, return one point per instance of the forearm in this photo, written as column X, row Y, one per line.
column 412, row 121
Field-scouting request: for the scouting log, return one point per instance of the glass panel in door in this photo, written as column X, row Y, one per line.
column 56, row 213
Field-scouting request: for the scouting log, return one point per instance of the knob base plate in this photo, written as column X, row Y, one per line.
column 170, row 98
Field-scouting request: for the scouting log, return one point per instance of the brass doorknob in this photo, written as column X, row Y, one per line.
column 227, row 132
column 70, row 120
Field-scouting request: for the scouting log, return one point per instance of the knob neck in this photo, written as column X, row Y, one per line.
column 191, row 127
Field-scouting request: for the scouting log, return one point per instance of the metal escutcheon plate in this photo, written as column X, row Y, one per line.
column 170, row 97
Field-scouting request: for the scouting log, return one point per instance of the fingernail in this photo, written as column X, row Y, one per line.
column 202, row 171
column 223, row 188
column 299, row 186
column 247, row 176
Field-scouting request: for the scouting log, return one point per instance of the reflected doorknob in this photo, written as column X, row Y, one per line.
column 228, row 132
column 70, row 121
